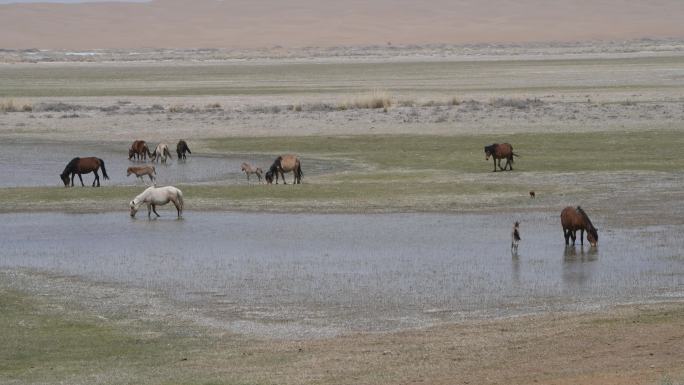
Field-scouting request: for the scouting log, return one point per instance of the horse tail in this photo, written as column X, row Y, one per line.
column 514, row 154
column 180, row 199
column 300, row 173
column 104, row 171
column 167, row 152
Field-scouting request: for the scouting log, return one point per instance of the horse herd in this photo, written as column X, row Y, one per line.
column 572, row 218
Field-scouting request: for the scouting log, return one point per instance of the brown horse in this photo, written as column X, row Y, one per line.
column 182, row 148
column 500, row 151
column 140, row 171
column 83, row 166
column 574, row 219
column 139, row 150
column 283, row 164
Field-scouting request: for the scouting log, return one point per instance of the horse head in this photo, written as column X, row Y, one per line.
column 489, row 150
column 133, row 207
column 269, row 177
column 131, row 152
column 592, row 236
column 65, row 179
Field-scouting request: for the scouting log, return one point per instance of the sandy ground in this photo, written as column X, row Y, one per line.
column 635, row 344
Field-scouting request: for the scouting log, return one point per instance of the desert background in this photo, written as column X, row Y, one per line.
column 391, row 262
column 304, row 23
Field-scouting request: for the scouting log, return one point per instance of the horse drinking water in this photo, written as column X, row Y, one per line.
column 78, row 166
column 182, row 148
column 161, row 152
column 500, row 151
column 153, row 196
column 139, row 150
column 573, row 219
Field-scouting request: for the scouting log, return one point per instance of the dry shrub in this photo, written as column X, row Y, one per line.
column 10, row 105
column 376, row 99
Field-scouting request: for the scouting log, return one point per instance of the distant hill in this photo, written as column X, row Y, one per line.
column 298, row 23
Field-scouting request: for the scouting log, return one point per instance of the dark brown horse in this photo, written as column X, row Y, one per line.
column 83, row 166
column 574, row 219
column 283, row 164
column 182, row 148
column 139, row 150
column 500, row 151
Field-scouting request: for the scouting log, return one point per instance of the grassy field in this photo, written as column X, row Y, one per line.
column 414, row 78
column 399, row 173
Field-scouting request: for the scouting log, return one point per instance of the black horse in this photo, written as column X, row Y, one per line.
column 83, row 166
column 181, row 148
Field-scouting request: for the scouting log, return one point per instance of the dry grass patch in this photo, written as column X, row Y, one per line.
column 10, row 105
column 373, row 100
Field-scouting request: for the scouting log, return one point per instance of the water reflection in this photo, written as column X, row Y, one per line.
column 578, row 265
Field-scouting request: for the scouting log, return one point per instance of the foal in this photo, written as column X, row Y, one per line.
column 248, row 169
column 140, row 171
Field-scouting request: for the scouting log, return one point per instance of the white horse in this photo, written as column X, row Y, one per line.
column 153, row 196
column 161, row 151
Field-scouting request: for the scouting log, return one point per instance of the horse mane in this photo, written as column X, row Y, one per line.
column 276, row 164
column 587, row 220
column 70, row 166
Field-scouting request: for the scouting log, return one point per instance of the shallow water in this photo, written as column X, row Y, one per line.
column 24, row 164
column 299, row 275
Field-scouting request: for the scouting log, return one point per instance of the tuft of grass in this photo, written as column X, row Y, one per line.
column 375, row 99
column 10, row 105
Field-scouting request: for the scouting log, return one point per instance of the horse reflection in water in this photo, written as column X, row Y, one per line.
column 153, row 196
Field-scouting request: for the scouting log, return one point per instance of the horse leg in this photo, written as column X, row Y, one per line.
column 72, row 179
column 582, row 237
column 573, row 234
column 154, row 208
column 81, row 179
column 509, row 162
column 282, row 174
column 97, row 179
column 178, row 209
column 566, row 234
column 149, row 211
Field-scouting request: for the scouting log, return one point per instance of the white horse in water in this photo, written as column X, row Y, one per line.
column 161, row 152
column 154, row 196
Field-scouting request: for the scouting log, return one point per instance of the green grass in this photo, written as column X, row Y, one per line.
column 394, row 173
column 593, row 151
column 36, row 345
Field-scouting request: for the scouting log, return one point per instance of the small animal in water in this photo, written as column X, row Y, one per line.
column 532, row 195
column 515, row 237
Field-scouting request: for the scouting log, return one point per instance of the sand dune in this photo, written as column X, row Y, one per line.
column 297, row 23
